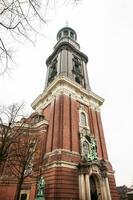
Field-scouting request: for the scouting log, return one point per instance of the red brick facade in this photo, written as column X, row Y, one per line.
column 60, row 144
column 61, row 135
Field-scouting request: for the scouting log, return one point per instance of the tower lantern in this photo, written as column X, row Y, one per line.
column 67, row 60
column 67, row 32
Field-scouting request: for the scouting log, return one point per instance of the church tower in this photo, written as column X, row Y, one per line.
column 75, row 162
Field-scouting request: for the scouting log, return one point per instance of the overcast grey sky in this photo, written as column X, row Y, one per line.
column 105, row 34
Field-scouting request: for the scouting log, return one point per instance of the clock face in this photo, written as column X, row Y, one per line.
column 85, row 148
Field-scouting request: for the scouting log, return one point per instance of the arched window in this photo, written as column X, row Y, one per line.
column 77, row 67
column 72, row 35
column 65, row 33
column 52, row 71
column 83, row 119
column 85, row 148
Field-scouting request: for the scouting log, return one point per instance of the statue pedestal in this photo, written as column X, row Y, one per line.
column 39, row 198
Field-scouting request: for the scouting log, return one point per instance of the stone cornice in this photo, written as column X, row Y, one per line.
column 59, row 164
column 60, row 151
column 64, row 85
column 31, row 126
column 63, row 45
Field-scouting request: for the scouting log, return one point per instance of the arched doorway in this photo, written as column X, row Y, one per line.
column 94, row 187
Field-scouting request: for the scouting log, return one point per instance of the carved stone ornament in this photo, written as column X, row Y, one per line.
column 84, row 131
column 103, row 168
column 88, row 148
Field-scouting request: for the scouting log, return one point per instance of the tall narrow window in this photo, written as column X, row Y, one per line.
column 83, row 119
column 52, row 71
column 77, row 68
column 77, row 65
column 72, row 35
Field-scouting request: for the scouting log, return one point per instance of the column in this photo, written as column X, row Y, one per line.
column 58, row 63
column 70, row 64
column 86, row 76
column 64, row 62
column 46, row 82
column 66, row 123
column 101, row 135
column 56, row 122
column 51, row 127
column 74, row 126
column 103, row 189
column 88, row 193
column 107, row 189
column 82, row 187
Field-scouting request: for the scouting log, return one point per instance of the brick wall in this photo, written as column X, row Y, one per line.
column 112, row 185
column 62, row 183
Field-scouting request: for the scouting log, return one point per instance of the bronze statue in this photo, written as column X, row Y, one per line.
column 40, row 189
column 92, row 155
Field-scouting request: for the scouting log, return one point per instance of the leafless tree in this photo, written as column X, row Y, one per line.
column 24, row 161
column 8, row 131
column 20, row 157
column 20, row 19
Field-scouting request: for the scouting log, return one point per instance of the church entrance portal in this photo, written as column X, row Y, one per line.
column 94, row 187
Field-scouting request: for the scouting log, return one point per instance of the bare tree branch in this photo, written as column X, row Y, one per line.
column 23, row 159
column 9, row 132
column 20, row 18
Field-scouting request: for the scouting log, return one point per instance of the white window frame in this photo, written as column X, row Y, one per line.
column 25, row 192
column 86, row 117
